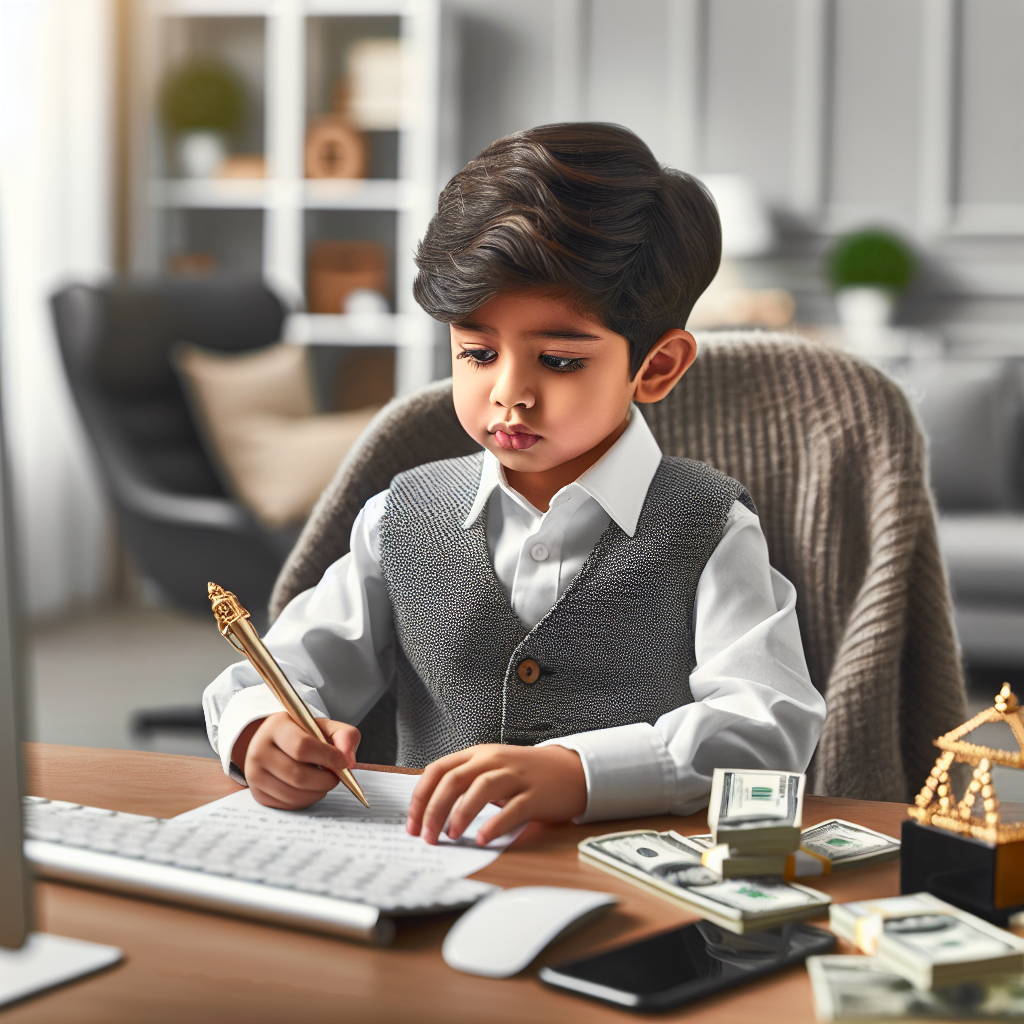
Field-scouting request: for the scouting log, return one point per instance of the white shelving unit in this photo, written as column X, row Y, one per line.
column 280, row 46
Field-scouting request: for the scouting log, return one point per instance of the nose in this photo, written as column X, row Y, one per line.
column 512, row 388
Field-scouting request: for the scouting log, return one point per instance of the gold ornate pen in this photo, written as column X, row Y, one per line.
column 233, row 622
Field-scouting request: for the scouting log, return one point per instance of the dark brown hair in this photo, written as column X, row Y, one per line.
column 584, row 209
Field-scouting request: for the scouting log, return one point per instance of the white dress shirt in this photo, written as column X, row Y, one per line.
column 754, row 704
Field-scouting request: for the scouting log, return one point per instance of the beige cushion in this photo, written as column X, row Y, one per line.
column 257, row 416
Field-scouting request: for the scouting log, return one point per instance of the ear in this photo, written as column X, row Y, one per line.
column 672, row 355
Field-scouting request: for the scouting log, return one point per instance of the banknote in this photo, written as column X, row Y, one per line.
column 928, row 941
column 753, row 799
column 658, row 855
column 944, row 939
column 858, row 988
column 677, row 870
column 843, row 841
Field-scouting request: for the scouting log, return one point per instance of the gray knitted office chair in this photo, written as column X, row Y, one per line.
column 832, row 455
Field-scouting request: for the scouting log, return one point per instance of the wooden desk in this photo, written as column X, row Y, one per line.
column 185, row 966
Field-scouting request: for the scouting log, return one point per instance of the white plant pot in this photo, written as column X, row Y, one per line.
column 864, row 308
column 865, row 316
column 201, row 154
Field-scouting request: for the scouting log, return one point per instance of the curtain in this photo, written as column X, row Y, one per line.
column 56, row 122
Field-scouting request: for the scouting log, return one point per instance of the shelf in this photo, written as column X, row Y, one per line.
column 398, row 329
column 358, row 194
column 259, row 193
column 264, row 8
column 210, row 193
column 289, row 52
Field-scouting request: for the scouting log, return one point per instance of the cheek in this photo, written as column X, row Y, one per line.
column 470, row 394
column 596, row 407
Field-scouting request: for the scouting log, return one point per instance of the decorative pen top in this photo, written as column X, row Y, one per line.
column 227, row 609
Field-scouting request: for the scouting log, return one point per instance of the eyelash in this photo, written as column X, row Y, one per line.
column 567, row 364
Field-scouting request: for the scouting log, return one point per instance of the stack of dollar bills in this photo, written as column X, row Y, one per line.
column 833, row 845
column 860, row 988
column 928, row 941
column 756, row 813
column 660, row 862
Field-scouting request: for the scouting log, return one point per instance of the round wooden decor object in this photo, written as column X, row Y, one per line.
column 334, row 149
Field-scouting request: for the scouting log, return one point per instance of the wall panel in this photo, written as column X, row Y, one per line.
column 990, row 150
column 749, row 92
column 627, row 78
column 875, row 111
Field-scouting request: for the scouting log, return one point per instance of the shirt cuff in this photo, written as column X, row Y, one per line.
column 247, row 705
column 628, row 769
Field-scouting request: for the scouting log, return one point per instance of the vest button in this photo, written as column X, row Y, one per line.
column 528, row 671
column 539, row 552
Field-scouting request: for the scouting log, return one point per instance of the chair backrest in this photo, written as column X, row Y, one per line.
column 115, row 340
column 833, row 457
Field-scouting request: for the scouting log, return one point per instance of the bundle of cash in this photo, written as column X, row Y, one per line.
column 929, row 942
column 728, row 863
column 858, row 988
column 832, row 845
column 661, row 863
column 756, row 812
column 842, row 844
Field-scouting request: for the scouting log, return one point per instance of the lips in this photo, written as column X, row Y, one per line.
column 515, row 438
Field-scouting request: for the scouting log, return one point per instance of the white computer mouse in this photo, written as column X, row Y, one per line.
column 501, row 934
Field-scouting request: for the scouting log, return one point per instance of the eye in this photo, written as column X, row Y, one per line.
column 563, row 364
column 478, row 356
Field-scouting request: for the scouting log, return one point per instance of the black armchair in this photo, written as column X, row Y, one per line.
column 174, row 515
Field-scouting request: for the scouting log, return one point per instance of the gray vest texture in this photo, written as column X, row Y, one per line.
column 615, row 649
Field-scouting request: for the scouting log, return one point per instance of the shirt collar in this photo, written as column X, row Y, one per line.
column 618, row 481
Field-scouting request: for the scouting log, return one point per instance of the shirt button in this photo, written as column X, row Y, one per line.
column 539, row 552
column 528, row 671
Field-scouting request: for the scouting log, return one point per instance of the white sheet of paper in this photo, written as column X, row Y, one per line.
column 377, row 832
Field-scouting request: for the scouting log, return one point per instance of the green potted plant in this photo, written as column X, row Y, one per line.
column 868, row 270
column 202, row 103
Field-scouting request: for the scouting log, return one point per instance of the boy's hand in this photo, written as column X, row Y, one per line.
column 279, row 760
column 530, row 784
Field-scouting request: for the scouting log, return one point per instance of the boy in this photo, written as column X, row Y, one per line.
column 577, row 627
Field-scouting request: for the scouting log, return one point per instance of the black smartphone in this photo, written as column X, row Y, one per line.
column 687, row 963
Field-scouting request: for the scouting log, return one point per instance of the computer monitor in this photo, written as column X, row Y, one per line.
column 30, row 962
column 15, row 905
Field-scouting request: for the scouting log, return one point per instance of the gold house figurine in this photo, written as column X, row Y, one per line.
column 962, row 849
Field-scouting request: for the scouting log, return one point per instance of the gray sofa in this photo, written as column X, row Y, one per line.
column 973, row 413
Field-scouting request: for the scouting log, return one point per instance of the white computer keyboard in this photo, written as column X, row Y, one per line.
column 203, row 864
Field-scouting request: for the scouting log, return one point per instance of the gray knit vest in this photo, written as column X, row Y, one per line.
column 616, row 648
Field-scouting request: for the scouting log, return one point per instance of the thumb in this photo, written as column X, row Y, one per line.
column 345, row 738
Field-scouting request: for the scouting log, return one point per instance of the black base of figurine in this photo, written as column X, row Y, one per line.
column 958, row 869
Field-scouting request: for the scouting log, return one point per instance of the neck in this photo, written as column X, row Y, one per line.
column 539, row 488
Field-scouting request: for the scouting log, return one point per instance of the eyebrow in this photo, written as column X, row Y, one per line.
column 566, row 334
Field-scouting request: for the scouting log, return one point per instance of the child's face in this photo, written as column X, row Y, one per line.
column 537, row 383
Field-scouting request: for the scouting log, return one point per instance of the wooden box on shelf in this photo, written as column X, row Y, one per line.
column 337, row 268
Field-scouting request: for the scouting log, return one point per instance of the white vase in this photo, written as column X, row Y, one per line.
column 864, row 308
column 201, row 154
column 865, row 317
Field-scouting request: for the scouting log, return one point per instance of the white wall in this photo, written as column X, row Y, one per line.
column 908, row 113
column 55, row 224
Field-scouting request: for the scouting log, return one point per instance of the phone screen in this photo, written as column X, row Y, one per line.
column 687, row 963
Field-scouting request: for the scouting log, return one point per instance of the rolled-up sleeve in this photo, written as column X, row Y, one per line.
column 335, row 643
column 754, row 705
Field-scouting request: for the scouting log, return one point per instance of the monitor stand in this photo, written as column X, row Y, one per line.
column 48, row 960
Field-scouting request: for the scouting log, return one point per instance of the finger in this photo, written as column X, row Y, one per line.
column 487, row 788
column 447, row 791
column 425, row 788
column 300, row 746
column 343, row 737
column 288, row 797
column 517, row 811
column 297, row 774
